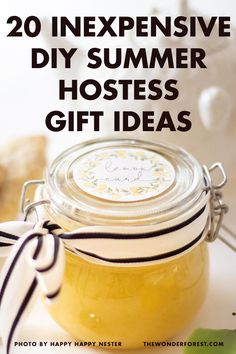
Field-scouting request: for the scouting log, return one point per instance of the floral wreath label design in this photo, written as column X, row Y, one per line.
column 123, row 174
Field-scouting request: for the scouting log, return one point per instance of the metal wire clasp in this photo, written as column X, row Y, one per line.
column 26, row 206
column 217, row 207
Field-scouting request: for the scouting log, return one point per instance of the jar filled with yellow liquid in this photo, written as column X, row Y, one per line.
column 140, row 272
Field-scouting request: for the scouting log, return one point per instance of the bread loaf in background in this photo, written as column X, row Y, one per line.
column 21, row 160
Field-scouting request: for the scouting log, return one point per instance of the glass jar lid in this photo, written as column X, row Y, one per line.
column 123, row 181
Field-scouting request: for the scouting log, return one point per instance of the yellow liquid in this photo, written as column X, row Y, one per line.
column 131, row 304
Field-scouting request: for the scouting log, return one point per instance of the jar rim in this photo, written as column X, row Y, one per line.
column 72, row 202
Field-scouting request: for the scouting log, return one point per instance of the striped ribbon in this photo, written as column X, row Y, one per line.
column 35, row 262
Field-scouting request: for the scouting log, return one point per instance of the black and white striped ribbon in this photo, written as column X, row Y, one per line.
column 35, row 261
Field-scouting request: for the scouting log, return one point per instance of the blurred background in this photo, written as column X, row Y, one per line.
column 27, row 95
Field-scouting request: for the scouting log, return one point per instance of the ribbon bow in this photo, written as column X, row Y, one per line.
column 36, row 259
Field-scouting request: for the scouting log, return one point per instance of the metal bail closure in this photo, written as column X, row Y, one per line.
column 26, row 206
column 217, row 207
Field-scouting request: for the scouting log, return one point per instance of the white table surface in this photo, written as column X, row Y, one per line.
column 216, row 312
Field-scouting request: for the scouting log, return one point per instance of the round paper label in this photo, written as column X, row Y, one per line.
column 123, row 174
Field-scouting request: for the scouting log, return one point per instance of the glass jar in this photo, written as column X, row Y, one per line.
column 142, row 273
